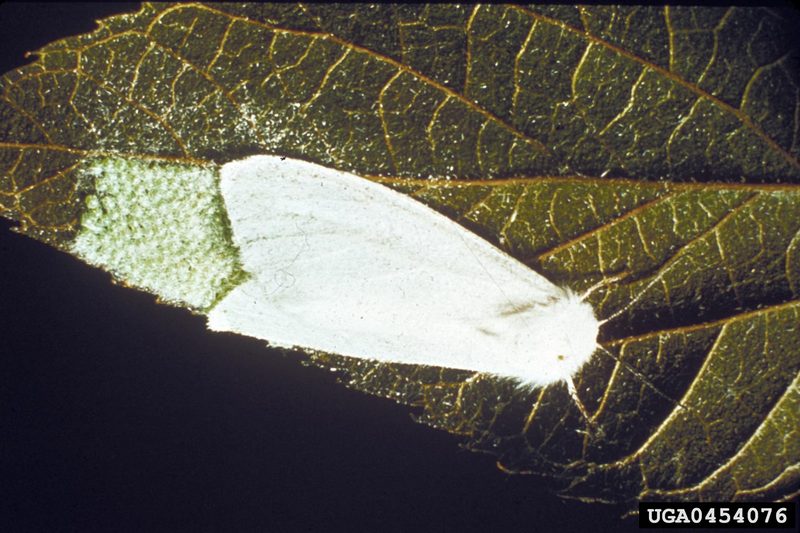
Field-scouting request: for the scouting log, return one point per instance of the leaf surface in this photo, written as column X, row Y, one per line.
column 654, row 146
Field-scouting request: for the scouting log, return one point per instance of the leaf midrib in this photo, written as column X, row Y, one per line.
column 455, row 183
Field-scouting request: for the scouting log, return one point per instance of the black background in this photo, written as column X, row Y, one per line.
column 120, row 414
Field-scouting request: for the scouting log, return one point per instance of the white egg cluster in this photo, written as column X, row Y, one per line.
column 159, row 227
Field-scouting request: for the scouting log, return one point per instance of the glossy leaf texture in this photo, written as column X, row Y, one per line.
column 656, row 147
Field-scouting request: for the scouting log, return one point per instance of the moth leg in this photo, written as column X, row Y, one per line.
column 573, row 392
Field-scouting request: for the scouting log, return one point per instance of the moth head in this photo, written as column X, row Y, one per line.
column 571, row 336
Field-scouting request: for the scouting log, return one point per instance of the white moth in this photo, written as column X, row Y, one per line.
column 340, row 264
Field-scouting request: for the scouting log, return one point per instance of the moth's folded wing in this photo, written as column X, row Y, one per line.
column 348, row 266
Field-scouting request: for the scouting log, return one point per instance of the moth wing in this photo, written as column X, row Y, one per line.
column 344, row 265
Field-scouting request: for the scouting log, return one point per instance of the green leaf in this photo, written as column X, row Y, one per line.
column 657, row 145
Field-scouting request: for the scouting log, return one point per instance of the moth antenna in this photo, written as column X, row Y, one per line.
column 608, row 353
column 633, row 300
column 602, row 283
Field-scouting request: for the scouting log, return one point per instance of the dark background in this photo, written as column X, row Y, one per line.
column 120, row 414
